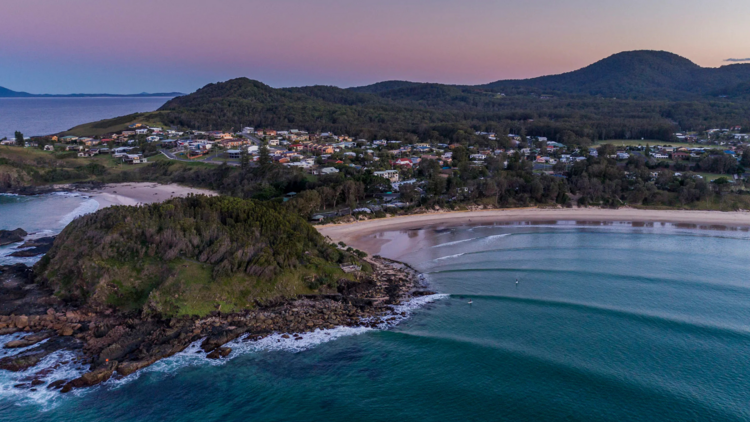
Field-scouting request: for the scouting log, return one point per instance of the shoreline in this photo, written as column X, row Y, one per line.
column 381, row 300
column 361, row 234
column 139, row 193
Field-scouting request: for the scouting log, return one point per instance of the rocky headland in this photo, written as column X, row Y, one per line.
column 114, row 343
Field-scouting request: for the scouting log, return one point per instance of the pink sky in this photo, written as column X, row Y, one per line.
column 61, row 46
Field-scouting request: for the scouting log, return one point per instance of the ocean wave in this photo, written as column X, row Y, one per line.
column 455, row 242
column 449, row 256
column 497, row 236
column 87, row 207
column 193, row 355
column 50, row 369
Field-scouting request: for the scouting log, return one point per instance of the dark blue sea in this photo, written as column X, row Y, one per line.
column 610, row 322
column 45, row 116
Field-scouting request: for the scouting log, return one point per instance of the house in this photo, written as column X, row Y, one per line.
column 134, row 159
column 623, row 155
column 477, row 157
column 141, row 131
column 391, row 175
column 328, row 170
column 234, row 153
column 403, row 162
column 49, row 147
column 681, row 155
column 73, row 148
column 69, row 139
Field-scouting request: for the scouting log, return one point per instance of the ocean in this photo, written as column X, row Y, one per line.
column 40, row 216
column 45, row 116
column 612, row 322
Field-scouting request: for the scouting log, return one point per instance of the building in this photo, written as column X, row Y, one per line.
column 391, row 175
column 328, row 170
column 134, row 159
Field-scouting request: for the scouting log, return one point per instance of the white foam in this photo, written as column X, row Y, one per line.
column 87, row 207
column 450, row 256
column 193, row 355
column 455, row 242
column 17, row 336
column 497, row 236
column 50, row 369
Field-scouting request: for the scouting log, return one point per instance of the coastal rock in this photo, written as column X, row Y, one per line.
column 221, row 352
column 127, row 368
column 21, row 321
column 54, row 385
column 11, row 236
column 39, row 247
column 92, row 378
column 28, row 340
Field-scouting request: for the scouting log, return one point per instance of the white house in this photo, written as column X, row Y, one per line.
column 391, row 175
column 328, row 170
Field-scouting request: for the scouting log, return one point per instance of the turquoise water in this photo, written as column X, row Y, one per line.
column 40, row 215
column 608, row 322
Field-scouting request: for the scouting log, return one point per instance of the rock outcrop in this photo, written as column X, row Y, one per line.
column 11, row 236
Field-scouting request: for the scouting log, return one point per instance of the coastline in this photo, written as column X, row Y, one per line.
column 43, row 338
column 140, row 193
column 361, row 234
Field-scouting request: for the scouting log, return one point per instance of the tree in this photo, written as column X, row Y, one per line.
column 19, row 138
column 745, row 160
column 264, row 158
column 244, row 159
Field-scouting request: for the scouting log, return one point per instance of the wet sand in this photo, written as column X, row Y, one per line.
column 368, row 235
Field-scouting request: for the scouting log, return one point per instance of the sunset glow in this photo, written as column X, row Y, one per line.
column 53, row 46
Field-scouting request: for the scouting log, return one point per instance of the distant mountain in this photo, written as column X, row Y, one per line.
column 633, row 74
column 7, row 93
column 639, row 74
column 637, row 94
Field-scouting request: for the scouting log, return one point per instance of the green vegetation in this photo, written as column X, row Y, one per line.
column 632, row 95
column 190, row 256
column 118, row 124
column 652, row 143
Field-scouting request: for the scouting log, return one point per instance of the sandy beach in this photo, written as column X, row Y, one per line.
column 141, row 193
column 367, row 235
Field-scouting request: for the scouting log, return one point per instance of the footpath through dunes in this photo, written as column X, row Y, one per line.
column 367, row 235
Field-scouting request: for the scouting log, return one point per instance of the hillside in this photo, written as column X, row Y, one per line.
column 640, row 75
column 7, row 93
column 190, row 256
column 641, row 94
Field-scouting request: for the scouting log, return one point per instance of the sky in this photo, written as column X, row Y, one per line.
column 132, row 46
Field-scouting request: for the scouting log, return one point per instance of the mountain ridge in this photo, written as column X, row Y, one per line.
column 8, row 93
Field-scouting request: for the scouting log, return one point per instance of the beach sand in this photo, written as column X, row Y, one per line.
column 368, row 235
column 141, row 193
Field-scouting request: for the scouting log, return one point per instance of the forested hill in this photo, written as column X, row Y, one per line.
column 190, row 256
column 640, row 74
column 642, row 94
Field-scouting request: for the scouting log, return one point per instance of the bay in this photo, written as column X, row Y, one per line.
column 46, row 116
column 610, row 322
